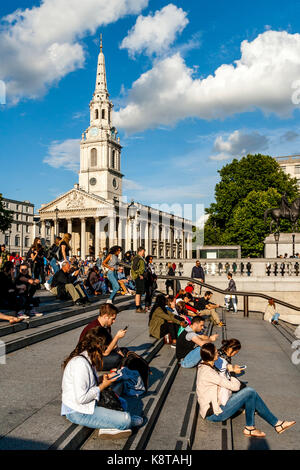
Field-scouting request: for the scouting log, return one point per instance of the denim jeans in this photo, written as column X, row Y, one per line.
column 227, row 302
column 276, row 317
column 55, row 267
column 192, row 359
column 102, row 418
column 249, row 398
column 113, row 279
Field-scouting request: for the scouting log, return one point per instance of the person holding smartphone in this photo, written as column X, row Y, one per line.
column 81, row 391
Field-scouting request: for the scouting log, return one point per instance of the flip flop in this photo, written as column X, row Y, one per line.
column 284, row 428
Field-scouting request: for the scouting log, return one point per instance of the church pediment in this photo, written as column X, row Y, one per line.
column 75, row 200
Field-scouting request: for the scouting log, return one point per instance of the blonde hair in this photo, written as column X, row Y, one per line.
column 66, row 238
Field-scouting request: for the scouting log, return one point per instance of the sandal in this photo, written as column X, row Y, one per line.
column 284, row 428
column 251, row 432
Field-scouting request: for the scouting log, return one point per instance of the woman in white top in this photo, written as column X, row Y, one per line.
column 209, row 384
column 81, row 392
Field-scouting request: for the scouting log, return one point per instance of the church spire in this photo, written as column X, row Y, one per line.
column 101, row 85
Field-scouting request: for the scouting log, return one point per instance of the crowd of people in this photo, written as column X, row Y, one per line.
column 98, row 374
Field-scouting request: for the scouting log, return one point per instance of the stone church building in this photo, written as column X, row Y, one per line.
column 94, row 211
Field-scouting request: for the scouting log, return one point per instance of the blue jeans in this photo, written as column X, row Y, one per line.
column 55, row 267
column 249, row 398
column 192, row 359
column 102, row 418
column 113, row 279
column 276, row 317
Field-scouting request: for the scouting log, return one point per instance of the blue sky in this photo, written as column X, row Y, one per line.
column 194, row 85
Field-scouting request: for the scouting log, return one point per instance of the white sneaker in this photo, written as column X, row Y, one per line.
column 109, row 301
column 21, row 314
column 114, row 433
column 34, row 313
column 47, row 286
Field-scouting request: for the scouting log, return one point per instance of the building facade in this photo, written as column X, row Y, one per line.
column 94, row 211
column 291, row 166
column 18, row 238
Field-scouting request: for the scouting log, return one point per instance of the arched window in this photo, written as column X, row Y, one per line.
column 113, row 159
column 96, row 114
column 94, row 157
column 103, row 113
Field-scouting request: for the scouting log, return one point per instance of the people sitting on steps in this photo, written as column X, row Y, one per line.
column 9, row 296
column 138, row 268
column 112, row 353
column 209, row 383
column 62, row 286
column 162, row 322
column 27, row 287
column 190, row 341
column 206, row 307
column 82, row 390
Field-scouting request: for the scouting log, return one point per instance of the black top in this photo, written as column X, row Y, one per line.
column 60, row 251
column 61, row 278
column 198, row 273
column 40, row 255
column 201, row 303
column 6, row 284
column 183, row 347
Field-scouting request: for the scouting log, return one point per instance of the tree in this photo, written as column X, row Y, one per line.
column 247, row 188
column 6, row 216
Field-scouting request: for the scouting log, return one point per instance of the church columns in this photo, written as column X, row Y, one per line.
column 52, row 234
column 83, row 239
column 43, row 229
column 146, row 232
column 97, row 236
column 69, row 228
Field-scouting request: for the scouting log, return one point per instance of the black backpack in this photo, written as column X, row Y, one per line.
column 135, row 362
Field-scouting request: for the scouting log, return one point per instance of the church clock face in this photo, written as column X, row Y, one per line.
column 94, row 132
column 93, row 181
column 115, row 183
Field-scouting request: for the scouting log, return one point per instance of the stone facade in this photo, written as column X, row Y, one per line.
column 21, row 233
column 94, row 211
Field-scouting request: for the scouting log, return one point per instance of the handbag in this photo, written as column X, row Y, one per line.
column 108, row 398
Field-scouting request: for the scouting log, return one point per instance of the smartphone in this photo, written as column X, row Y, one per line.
column 243, row 367
column 125, row 327
column 116, row 376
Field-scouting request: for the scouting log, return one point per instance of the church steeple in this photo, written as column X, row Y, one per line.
column 100, row 149
column 101, row 85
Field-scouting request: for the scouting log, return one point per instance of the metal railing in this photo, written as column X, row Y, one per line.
column 245, row 295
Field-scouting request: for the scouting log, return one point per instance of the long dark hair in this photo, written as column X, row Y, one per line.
column 232, row 343
column 208, row 351
column 161, row 302
column 93, row 343
column 113, row 250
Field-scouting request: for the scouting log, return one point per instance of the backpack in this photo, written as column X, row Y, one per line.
column 135, row 362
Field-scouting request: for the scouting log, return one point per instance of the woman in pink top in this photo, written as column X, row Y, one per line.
column 209, row 384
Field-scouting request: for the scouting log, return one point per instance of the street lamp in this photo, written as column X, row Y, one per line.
column 178, row 243
column 56, row 219
column 277, row 236
column 132, row 211
column 293, row 236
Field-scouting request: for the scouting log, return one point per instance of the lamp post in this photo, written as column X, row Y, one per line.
column 132, row 211
column 293, row 236
column 56, row 220
column 277, row 236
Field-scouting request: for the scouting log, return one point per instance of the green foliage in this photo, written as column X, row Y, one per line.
column 247, row 188
column 6, row 217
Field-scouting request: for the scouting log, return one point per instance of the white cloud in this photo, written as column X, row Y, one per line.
column 64, row 154
column 238, row 144
column 155, row 34
column 261, row 79
column 155, row 194
column 131, row 185
column 39, row 46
